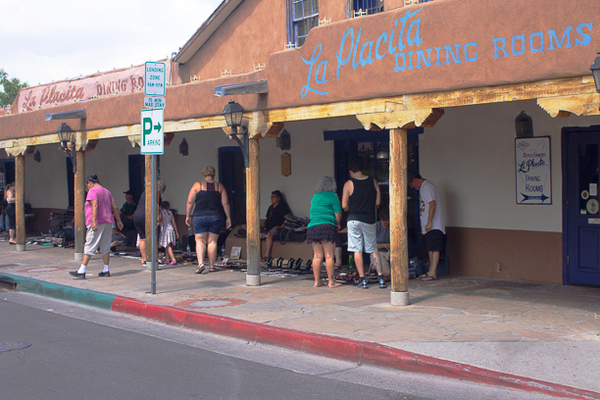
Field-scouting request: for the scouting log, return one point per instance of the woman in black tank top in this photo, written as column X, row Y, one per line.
column 211, row 212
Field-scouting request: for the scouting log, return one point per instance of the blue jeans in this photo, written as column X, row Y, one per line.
column 208, row 223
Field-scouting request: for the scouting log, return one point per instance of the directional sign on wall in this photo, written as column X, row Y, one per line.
column 152, row 140
column 154, row 79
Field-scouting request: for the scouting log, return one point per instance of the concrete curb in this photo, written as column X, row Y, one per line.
column 359, row 352
column 68, row 293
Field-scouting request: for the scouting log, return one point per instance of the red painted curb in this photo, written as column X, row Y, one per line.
column 355, row 351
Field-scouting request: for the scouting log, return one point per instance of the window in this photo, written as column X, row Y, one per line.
column 364, row 7
column 303, row 16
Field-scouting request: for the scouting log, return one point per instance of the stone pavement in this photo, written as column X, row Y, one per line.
column 544, row 332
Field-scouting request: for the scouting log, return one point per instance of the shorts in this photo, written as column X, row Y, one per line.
column 322, row 233
column 10, row 213
column 101, row 238
column 208, row 223
column 362, row 235
column 140, row 226
column 433, row 240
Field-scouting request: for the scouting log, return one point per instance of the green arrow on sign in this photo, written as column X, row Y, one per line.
column 157, row 126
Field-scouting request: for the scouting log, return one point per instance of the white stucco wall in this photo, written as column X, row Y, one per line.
column 312, row 158
column 470, row 156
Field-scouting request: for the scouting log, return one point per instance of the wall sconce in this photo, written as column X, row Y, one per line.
column 37, row 157
column 183, row 147
column 284, row 140
column 234, row 113
column 523, row 125
column 66, row 136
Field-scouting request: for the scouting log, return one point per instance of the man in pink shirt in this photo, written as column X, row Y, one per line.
column 100, row 214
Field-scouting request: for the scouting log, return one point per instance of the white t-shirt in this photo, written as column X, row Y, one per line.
column 428, row 193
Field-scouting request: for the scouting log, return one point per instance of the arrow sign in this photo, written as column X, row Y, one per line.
column 152, row 140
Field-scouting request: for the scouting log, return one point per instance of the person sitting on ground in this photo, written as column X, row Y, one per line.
column 382, row 228
column 127, row 211
column 117, row 238
column 276, row 214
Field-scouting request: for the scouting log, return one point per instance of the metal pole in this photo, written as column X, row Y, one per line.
column 153, row 230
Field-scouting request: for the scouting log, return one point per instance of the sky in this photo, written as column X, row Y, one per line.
column 42, row 41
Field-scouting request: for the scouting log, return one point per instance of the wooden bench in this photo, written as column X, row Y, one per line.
column 289, row 250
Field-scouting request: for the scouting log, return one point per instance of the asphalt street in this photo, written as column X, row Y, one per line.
column 83, row 353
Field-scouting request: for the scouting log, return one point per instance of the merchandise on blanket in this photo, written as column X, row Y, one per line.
column 294, row 230
column 289, row 264
column 348, row 277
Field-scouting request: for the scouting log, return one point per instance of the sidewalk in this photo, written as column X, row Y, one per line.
column 536, row 337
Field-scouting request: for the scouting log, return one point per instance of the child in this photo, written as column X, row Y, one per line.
column 168, row 232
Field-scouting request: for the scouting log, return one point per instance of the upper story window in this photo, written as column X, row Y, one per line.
column 364, row 7
column 303, row 15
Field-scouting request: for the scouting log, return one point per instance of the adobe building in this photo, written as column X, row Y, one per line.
column 492, row 101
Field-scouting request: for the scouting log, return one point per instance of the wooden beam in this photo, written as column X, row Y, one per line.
column 580, row 87
column 563, row 106
column 426, row 118
column 20, row 151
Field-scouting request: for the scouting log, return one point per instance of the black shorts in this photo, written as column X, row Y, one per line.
column 433, row 240
column 140, row 226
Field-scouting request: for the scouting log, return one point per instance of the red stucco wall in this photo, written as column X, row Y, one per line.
column 295, row 76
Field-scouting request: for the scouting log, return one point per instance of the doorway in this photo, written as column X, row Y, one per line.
column 581, row 207
column 232, row 174
column 372, row 150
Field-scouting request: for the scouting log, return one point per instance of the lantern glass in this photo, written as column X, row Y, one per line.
column 64, row 134
column 233, row 113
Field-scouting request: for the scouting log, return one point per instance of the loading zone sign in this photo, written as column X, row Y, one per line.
column 152, row 140
column 154, row 79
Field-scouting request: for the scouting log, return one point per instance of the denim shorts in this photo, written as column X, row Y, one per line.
column 209, row 223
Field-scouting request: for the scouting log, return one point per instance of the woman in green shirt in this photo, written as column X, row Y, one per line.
column 325, row 216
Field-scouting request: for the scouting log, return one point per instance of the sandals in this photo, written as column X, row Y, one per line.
column 427, row 278
column 213, row 269
column 200, row 269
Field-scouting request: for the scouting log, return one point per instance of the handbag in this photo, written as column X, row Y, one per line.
column 294, row 230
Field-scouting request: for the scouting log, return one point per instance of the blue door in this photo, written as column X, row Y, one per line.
column 232, row 174
column 581, row 159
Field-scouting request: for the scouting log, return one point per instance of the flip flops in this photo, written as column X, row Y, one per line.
column 200, row 269
column 428, row 278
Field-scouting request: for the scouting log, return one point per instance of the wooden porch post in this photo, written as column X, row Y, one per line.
column 253, row 213
column 79, row 205
column 398, row 207
column 20, row 201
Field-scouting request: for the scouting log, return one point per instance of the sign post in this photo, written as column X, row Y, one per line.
column 152, row 141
